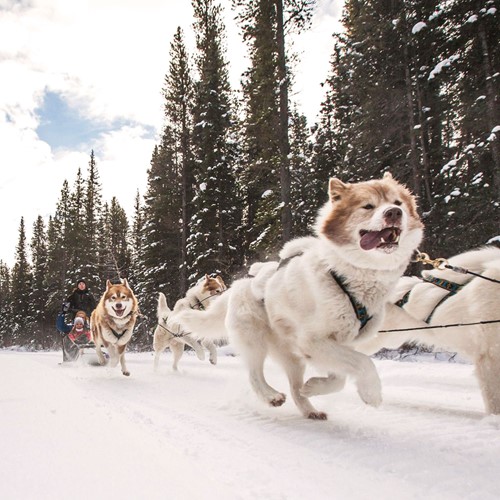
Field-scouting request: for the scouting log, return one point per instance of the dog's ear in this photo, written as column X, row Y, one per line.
column 336, row 189
column 125, row 282
column 108, row 285
column 207, row 278
column 221, row 282
column 387, row 175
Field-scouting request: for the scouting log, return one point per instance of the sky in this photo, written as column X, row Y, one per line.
column 86, row 75
column 200, row 433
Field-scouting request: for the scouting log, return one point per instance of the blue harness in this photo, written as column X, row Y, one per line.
column 359, row 309
column 449, row 286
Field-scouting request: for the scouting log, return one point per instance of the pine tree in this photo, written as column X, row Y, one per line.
column 178, row 93
column 95, row 251
column 38, row 296
column 6, row 324
column 213, row 243
column 117, row 253
column 77, row 237
column 160, row 253
column 266, row 147
column 21, row 291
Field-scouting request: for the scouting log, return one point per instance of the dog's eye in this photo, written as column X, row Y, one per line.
column 369, row 206
column 398, row 202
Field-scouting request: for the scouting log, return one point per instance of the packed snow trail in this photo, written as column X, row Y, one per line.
column 88, row 432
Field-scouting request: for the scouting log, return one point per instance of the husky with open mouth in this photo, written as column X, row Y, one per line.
column 327, row 293
column 112, row 323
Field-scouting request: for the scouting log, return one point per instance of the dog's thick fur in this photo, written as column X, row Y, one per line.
column 298, row 314
column 112, row 323
column 478, row 300
column 198, row 297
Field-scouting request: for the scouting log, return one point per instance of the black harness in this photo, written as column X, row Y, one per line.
column 118, row 335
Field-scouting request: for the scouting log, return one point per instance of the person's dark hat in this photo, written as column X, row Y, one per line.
column 81, row 280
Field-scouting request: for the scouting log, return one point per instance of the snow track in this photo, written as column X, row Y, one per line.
column 202, row 434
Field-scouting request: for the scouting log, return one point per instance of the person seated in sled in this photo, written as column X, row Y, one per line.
column 81, row 299
column 75, row 334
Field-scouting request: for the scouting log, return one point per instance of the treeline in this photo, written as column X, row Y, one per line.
column 413, row 89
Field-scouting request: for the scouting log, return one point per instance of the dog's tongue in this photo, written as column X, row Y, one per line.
column 372, row 239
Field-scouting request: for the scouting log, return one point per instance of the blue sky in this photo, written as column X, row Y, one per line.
column 62, row 127
column 75, row 80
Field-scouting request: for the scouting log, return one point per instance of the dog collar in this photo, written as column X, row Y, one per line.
column 359, row 309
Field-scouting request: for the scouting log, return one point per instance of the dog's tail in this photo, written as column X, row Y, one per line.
column 208, row 323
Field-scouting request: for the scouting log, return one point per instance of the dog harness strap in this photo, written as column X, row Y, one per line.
column 359, row 309
column 449, row 286
column 444, row 284
column 118, row 335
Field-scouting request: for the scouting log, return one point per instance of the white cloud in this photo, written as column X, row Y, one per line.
column 108, row 59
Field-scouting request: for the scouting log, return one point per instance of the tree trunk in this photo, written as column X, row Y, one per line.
column 411, row 125
column 286, row 214
column 491, row 106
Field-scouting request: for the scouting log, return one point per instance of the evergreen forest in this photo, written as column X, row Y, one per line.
column 413, row 88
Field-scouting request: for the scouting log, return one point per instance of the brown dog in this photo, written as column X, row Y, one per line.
column 112, row 323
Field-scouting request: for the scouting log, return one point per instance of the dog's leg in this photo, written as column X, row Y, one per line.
column 177, row 349
column 156, row 360
column 121, row 356
column 195, row 345
column 295, row 368
column 100, row 356
column 113, row 355
column 210, row 346
column 488, row 374
column 327, row 354
column 317, row 386
column 254, row 356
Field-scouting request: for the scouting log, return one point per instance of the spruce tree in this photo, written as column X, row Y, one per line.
column 6, row 324
column 178, row 93
column 214, row 241
column 38, row 296
column 21, row 291
column 95, row 251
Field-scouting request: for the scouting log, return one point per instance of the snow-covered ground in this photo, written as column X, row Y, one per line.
column 83, row 432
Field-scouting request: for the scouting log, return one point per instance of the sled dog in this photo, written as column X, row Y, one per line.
column 169, row 332
column 112, row 323
column 442, row 297
column 327, row 293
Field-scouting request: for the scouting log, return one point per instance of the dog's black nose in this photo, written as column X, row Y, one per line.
column 118, row 305
column 393, row 214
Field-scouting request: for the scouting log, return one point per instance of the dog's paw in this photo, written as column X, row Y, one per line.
column 213, row 360
column 278, row 400
column 371, row 396
column 317, row 415
column 127, row 374
column 317, row 386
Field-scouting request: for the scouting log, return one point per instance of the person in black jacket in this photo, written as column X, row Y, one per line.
column 81, row 299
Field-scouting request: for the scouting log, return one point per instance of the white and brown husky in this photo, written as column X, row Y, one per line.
column 112, row 323
column 169, row 332
column 327, row 293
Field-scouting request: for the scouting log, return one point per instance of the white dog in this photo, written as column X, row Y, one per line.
column 327, row 293
column 169, row 332
column 449, row 297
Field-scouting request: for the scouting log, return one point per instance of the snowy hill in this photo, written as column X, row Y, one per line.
column 83, row 432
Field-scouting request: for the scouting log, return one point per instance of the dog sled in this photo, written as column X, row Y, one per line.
column 77, row 344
